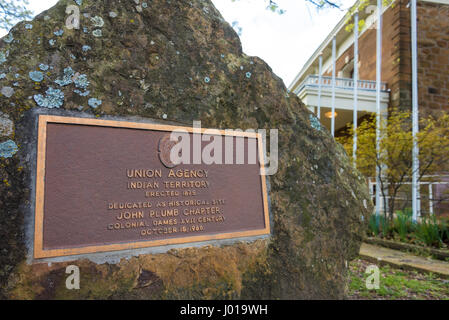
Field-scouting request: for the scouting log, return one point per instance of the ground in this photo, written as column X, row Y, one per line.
column 396, row 284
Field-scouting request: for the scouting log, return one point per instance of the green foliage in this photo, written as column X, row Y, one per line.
column 431, row 232
column 373, row 225
column 393, row 159
column 13, row 11
column 324, row 4
column 385, row 226
column 403, row 224
column 362, row 6
column 272, row 6
column 427, row 231
column 379, row 225
column 320, row 4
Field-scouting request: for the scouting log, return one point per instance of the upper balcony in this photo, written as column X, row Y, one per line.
column 344, row 98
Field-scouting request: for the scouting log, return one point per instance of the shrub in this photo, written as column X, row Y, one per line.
column 431, row 232
column 428, row 231
column 373, row 226
column 379, row 225
column 403, row 224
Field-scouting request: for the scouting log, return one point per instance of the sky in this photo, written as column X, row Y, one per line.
column 284, row 41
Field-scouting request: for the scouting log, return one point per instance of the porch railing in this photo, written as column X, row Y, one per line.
column 431, row 198
column 341, row 83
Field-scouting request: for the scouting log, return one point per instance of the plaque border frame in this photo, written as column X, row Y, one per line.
column 40, row 253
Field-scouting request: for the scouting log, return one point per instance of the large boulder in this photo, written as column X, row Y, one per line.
column 177, row 61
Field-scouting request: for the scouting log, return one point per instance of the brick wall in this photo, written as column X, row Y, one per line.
column 433, row 57
column 433, row 52
column 367, row 52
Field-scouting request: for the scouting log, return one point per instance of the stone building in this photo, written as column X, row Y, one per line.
column 433, row 66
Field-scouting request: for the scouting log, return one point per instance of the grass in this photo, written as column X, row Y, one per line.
column 396, row 284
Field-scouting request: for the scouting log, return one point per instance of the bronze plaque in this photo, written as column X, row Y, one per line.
column 107, row 185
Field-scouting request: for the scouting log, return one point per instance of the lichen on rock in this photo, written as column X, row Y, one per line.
column 66, row 78
column 54, row 98
column 36, row 76
column 7, row 91
column 8, row 149
column 94, row 102
column 6, row 126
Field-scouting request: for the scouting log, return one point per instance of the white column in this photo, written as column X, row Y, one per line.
column 378, row 85
column 320, row 61
column 334, row 49
column 415, row 121
column 356, row 79
column 430, row 199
